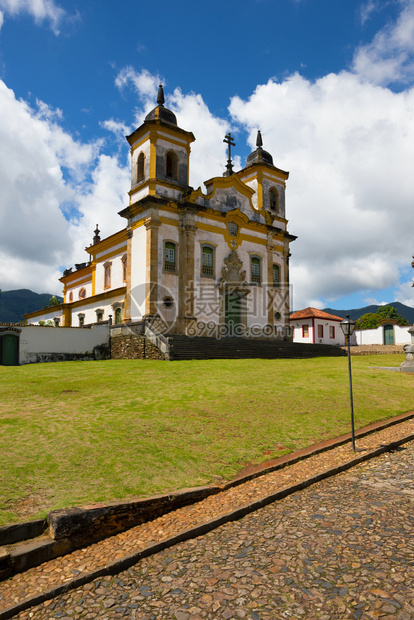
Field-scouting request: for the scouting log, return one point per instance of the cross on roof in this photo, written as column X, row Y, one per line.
column 230, row 142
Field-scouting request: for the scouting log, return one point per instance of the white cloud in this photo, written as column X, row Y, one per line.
column 350, row 147
column 143, row 82
column 389, row 58
column 368, row 8
column 43, row 172
column 102, row 199
column 405, row 293
column 1, row 19
column 40, row 10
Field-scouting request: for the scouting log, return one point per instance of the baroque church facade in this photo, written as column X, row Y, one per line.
column 212, row 263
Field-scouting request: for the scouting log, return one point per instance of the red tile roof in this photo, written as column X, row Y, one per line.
column 309, row 313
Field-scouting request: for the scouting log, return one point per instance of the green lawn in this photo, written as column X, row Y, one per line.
column 77, row 432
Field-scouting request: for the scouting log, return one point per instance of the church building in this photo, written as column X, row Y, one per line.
column 213, row 263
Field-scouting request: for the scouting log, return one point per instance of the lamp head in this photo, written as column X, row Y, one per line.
column 347, row 326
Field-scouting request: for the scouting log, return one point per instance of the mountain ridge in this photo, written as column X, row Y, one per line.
column 13, row 304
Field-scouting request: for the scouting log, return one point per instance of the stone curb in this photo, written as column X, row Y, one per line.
column 329, row 444
column 114, row 568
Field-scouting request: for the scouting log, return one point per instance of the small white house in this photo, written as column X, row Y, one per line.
column 313, row 326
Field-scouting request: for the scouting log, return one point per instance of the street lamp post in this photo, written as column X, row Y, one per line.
column 348, row 326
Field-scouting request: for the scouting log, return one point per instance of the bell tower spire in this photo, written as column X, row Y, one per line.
column 160, row 154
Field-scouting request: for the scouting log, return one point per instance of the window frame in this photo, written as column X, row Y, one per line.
column 255, row 261
column 332, row 331
column 320, row 330
column 168, row 265
column 207, row 271
column 118, row 313
column 107, row 274
column 305, row 330
column 82, row 293
column 274, row 199
column 276, row 269
column 235, row 230
column 171, row 165
column 141, row 167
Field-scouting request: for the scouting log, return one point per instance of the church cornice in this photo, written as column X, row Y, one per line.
column 108, row 242
column 263, row 167
column 159, row 125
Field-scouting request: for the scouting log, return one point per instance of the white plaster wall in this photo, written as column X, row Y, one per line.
column 138, row 272
column 76, row 286
column 252, row 182
column 339, row 339
column 297, row 334
column 48, row 315
column 116, row 270
column 376, row 336
column 60, row 340
column 88, row 310
column 137, row 195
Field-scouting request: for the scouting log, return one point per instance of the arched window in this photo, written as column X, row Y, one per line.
column 171, row 165
column 99, row 315
column 82, row 293
column 255, row 270
column 81, row 318
column 170, row 256
column 207, row 261
column 276, row 275
column 141, row 167
column 107, row 275
column 233, row 229
column 274, row 199
column 124, row 267
column 118, row 315
column 70, row 296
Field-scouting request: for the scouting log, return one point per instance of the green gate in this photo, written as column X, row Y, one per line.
column 9, row 350
column 389, row 334
column 232, row 312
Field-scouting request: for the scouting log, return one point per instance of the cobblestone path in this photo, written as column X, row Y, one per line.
column 342, row 548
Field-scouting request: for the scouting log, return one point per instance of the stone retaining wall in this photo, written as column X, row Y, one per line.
column 375, row 349
column 134, row 347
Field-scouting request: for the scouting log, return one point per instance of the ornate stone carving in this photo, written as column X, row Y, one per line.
column 232, row 272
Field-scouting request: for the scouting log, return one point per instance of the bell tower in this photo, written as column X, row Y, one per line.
column 160, row 155
column 268, row 182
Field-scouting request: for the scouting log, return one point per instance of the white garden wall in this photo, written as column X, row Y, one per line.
column 47, row 344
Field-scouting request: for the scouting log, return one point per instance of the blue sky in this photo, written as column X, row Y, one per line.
column 328, row 82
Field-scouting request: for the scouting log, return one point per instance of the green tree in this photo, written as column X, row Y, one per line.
column 54, row 301
column 368, row 321
column 389, row 312
column 384, row 313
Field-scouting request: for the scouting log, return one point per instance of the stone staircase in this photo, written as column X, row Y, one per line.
column 187, row 348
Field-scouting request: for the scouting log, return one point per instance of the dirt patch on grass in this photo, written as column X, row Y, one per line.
column 29, row 506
